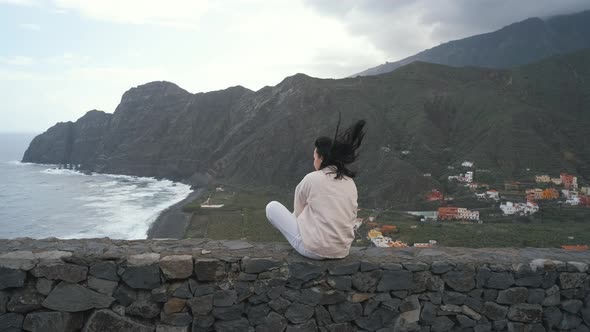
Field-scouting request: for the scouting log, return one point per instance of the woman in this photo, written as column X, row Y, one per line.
column 325, row 200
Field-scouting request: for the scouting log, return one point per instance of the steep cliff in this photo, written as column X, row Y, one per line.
column 532, row 117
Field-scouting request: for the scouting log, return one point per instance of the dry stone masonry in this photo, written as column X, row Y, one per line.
column 201, row 285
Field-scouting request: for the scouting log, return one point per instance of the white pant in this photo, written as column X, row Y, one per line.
column 285, row 221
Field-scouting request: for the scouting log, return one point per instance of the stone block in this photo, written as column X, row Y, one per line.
column 365, row 281
column 201, row 305
column 442, row 324
column 526, row 313
column 552, row 296
column 174, row 305
column 18, row 260
column 441, row 267
column 53, row 321
column 11, row 278
column 181, row 290
column 299, row 313
column 309, row 326
column 3, row 302
column 104, row 270
column 368, row 266
column 345, row 312
column 279, row 305
column 494, row 311
column 229, row 313
column 258, row 265
column 177, row 266
column 569, row 322
column 500, row 280
column 302, row 272
column 460, row 281
column 176, row 319
column 513, row 295
column 347, row 268
column 450, row 297
column 106, row 320
column 237, row 325
column 572, row 280
column 125, row 295
column 11, row 322
column 202, row 322
column 103, row 286
column 571, row 267
column 143, row 308
column 470, row 312
column 44, row 286
column 74, row 298
column 209, row 269
column 24, row 300
column 142, row 276
column 415, row 266
column 61, row 271
column 171, row 328
column 572, row 306
column 552, row 317
column 535, row 296
column 257, row 313
column 395, row 280
column 271, row 323
column 225, row 298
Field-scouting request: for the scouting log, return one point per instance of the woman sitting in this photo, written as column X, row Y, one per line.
column 325, row 200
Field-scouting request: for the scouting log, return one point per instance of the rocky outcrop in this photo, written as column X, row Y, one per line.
column 205, row 285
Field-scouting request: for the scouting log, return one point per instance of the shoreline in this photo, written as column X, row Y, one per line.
column 172, row 222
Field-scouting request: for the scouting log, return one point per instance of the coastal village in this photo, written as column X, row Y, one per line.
column 522, row 200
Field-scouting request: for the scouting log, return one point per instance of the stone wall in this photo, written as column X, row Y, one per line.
column 200, row 285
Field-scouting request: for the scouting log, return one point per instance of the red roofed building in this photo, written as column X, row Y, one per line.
column 448, row 213
column 434, row 195
column 570, row 182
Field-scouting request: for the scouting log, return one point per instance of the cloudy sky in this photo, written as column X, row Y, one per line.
column 61, row 58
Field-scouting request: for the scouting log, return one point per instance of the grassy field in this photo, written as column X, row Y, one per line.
column 243, row 217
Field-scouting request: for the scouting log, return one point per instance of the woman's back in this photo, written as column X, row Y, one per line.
column 325, row 209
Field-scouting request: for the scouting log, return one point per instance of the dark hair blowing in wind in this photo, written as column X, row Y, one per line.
column 342, row 149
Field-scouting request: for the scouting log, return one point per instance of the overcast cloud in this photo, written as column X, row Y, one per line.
column 401, row 28
column 61, row 58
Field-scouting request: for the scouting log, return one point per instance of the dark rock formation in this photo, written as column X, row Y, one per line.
column 441, row 115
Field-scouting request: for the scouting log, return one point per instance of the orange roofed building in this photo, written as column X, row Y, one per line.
column 550, row 193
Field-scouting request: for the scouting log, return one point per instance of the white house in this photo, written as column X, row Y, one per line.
column 467, row 164
column 493, row 194
column 510, row 208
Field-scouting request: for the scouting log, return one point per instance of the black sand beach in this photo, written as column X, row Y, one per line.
column 172, row 222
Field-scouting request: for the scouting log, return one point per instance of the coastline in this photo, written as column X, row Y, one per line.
column 172, row 222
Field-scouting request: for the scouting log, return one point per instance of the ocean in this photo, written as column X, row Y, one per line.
column 40, row 201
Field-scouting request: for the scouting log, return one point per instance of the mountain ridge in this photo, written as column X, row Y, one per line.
column 505, row 120
column 516, row 44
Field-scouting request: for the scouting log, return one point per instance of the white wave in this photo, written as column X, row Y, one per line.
column 19, row 163
column 61, row 171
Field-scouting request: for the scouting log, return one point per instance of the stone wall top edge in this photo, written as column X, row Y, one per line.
column 111, row 249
